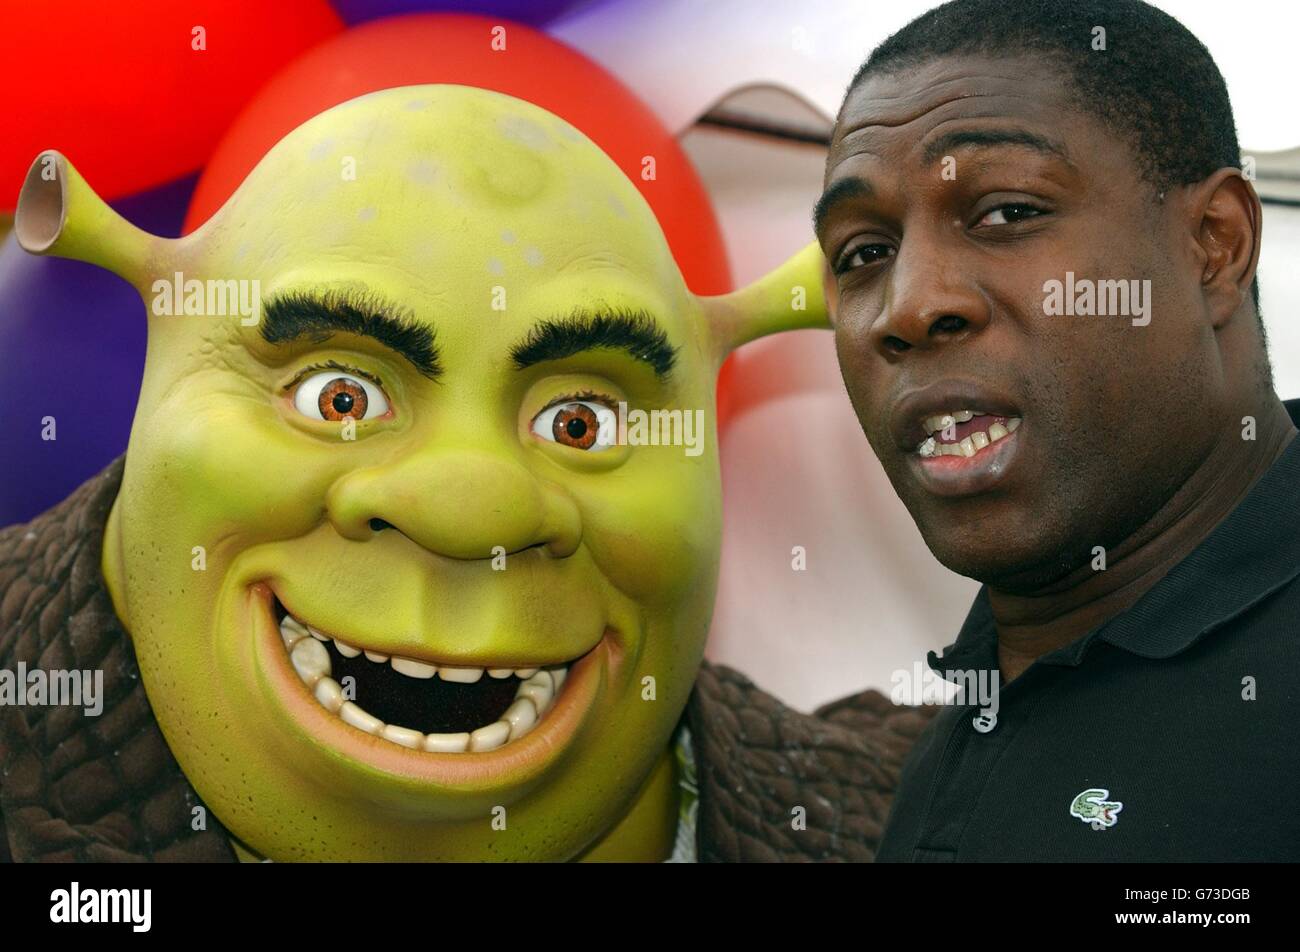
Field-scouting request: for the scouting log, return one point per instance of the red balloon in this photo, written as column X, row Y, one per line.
column 454, row 48
column 124, row 89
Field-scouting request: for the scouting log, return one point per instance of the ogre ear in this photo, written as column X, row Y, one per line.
column 786, row 299
column 59, row 214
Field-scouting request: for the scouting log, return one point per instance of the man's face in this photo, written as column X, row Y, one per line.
column 955, row 191
column 447, row 295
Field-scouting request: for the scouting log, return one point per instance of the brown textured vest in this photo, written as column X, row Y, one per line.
column 108, row 788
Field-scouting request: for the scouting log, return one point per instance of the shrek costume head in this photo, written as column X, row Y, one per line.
column 406, row 574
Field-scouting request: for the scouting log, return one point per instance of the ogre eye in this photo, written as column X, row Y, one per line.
column 332, row 395
column 580, row 424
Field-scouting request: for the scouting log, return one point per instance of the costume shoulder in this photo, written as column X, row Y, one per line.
column 759, row 761
column 75, row 787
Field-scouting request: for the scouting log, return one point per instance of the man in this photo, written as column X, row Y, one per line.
column 1041, row 254
column 394, row 566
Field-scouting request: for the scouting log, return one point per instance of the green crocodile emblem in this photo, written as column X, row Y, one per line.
column 1093, row 808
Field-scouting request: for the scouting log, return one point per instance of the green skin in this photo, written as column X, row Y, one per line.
column 613, row 554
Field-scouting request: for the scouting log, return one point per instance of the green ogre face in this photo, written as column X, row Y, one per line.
column 411, row 448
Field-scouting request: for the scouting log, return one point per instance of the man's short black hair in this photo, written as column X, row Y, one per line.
column 1155, row 84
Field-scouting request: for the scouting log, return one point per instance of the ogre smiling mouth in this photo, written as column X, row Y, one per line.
column 440, row 708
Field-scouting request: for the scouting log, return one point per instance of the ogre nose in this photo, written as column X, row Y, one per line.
column 462, row 504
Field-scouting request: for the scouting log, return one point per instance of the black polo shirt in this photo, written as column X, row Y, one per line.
column 1169, row 733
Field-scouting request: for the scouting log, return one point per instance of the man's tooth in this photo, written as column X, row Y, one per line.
column 294, row 623
column 961, row 416
column 446, row 743
column 376, row 656
column 521, row 716
column 949, row 449
column 539, row 689
column 317, row 635
column 329, row 694
column 979, row 439
column 967, row 447
column 414, row 669
column 290, row 635
column 460, row 675
column 310, row 660
column 346, row 650
column 490, row 737
column 523, row 674
column 997, row 431
column 927, row 447
column 402, row 735
column 360, row 719
column 500, row 673
column 931, row 423
column 1012, row 424
column 946, row 421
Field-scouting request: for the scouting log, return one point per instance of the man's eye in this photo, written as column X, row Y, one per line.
column 579, row 423
column 863, row 255
column 1009, row 214
column 333, row 395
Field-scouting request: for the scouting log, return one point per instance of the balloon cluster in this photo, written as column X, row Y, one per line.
column 167, row 110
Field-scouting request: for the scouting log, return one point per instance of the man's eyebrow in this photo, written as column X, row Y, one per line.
column 951, row 141
column 319, row 315
column 842, row 190
column 632, row 331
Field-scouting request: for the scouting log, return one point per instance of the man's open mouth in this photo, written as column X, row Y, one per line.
column 417, row 703
column 964, row 432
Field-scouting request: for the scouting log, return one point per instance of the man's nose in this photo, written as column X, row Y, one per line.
column 461, row 504
column 930, row 300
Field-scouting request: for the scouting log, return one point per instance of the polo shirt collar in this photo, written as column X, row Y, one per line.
column 1249, row 555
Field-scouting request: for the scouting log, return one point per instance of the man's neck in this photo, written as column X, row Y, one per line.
column 1031, row 625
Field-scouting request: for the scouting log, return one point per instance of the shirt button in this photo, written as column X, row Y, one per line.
column 985, row 721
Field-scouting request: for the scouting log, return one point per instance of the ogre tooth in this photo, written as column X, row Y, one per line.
column 329, row 694
column 539, row 689
column 360, row 719
column 310, row 660
column 460, row 675
column 446, row 743
column 414, row 669
column 521, row 716
column 402, row 735
column 490, row 737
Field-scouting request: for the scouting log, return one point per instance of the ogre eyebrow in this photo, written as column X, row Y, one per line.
column 318, row 315
column 633, row 331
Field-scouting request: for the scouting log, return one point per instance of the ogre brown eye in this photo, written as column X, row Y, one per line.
column 333, row 396
column 342, row 397
column 575, row 425
column 580, row 424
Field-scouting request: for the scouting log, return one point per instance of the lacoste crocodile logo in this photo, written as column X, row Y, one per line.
column 1093, row 808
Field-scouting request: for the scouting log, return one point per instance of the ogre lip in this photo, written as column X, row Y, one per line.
column 517, row 763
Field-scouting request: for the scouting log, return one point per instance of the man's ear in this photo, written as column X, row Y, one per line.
column 1229, row 221
column 785, row 299
column 59, row 214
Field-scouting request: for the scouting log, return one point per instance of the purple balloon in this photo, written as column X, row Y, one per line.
column 72, row 342
column 533, row 12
